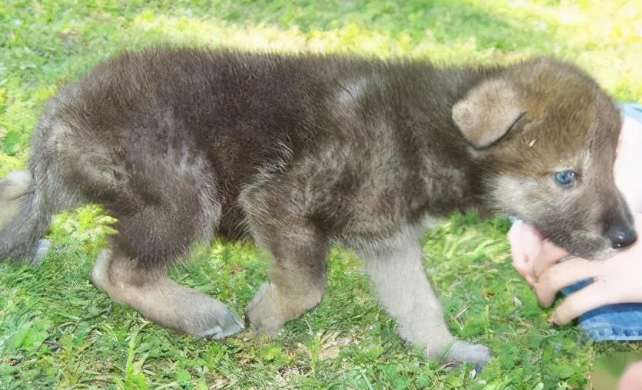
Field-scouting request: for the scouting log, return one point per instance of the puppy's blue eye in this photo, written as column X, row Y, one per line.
column 565, row 179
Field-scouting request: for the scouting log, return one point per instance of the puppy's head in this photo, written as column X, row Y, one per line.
column 545, row 136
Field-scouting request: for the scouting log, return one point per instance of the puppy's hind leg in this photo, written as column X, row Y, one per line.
column 162, row 300
column 406, row 294
column 162, row 208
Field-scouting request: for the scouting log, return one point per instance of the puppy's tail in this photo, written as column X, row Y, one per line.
column 23, row 219
column 26, row 209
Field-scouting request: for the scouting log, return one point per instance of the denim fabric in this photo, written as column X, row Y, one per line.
column 622, row 322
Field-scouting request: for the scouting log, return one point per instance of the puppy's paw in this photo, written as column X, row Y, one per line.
column 463, row 352
column 264, row 311
column 219, row 322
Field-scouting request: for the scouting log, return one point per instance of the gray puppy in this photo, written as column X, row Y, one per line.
column 300, row 152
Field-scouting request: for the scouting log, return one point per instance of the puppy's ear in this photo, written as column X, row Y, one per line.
column 487, row 112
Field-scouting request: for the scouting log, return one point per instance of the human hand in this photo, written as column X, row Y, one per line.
column 616, row 280
column 532, row 254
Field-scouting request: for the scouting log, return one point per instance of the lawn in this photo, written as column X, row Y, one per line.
column 57, row 330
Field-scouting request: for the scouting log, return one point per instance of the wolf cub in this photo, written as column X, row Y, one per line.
column 299, row 152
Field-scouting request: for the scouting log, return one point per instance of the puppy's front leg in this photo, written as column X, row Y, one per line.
column 404, row 291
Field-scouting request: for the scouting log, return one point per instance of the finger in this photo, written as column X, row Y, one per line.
column 632, row 377
column 563, row 275
column 525, row 244
column 528, row 277
column 548, row 255
column 590, row 297
column 521, row 265
column 525, row 239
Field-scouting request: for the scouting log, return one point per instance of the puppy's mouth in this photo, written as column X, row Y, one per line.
column 578, row 243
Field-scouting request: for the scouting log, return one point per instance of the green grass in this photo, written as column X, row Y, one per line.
column 57, row 330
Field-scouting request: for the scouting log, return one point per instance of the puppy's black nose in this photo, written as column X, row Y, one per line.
column 621, row 236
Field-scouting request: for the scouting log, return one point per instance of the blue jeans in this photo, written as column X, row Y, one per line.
column 622, row 322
